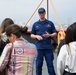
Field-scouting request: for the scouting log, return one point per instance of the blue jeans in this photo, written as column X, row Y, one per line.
column 48, row 54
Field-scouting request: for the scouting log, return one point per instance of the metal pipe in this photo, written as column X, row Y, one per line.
column 47, row 9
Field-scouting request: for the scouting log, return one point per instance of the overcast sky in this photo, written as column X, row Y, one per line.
column 21, row 10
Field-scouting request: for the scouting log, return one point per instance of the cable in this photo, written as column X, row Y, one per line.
column 56, row 15
column 33, row 13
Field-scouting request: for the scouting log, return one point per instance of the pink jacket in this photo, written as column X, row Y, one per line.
column 22, row 58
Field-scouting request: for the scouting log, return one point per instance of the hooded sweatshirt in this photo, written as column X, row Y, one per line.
column 67, row 61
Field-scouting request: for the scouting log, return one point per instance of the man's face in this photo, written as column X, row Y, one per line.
column 42, row 15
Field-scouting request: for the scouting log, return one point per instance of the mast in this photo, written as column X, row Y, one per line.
column 47, row 9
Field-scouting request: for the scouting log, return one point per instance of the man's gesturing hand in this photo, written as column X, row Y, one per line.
column 39, row 37
column 46, row 35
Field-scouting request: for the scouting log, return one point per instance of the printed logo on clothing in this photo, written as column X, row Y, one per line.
column 48, row 25
column 37, row 26
column 19, row 51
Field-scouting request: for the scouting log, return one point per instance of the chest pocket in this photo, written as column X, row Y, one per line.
column 49, row 28
column 37, row 29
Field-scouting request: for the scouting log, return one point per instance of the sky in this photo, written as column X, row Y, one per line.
column 21, row 10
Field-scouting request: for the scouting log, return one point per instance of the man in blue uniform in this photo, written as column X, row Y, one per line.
column 42, row 31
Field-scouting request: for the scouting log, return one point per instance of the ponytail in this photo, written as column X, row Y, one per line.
column 16, row 30
column 23, row 30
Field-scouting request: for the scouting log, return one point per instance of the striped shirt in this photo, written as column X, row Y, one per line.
column 22, row 58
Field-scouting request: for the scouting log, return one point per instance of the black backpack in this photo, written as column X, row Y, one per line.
column 2, row 45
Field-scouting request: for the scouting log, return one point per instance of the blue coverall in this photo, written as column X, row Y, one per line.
column 44, row 47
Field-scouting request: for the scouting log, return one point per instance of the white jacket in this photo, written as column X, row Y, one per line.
column 4, row 37
column 64, row 61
